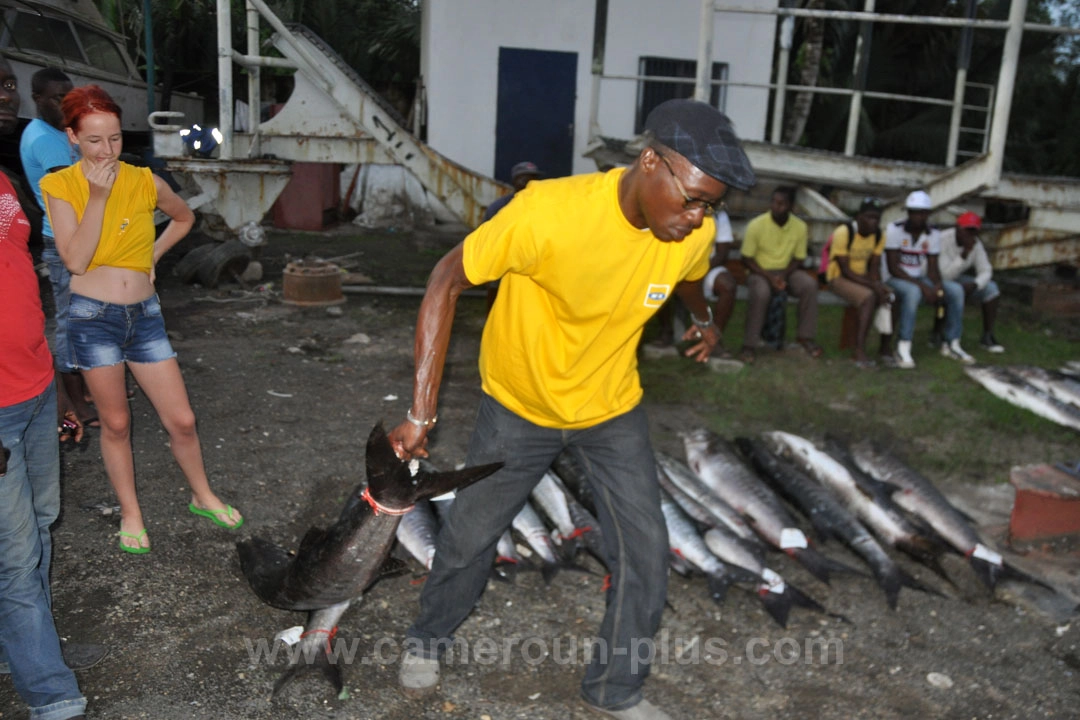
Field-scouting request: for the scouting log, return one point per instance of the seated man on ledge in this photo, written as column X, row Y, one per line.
column 854, row 272
column 912, row 247
column 962, row 251
column 774, row 251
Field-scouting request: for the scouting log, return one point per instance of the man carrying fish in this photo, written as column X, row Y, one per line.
column 584, row 262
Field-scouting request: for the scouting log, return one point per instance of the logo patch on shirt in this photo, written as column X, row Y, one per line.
column 655, row 295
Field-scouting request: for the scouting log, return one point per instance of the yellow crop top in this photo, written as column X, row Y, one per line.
column 127, row 231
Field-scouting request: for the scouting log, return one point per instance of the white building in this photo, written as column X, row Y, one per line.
column 511, row 80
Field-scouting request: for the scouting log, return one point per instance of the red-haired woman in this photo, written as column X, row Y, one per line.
column 101, row 212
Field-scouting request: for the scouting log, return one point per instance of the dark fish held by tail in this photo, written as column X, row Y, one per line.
column 334, row 566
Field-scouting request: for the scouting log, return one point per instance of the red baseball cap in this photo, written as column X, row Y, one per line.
column 969, row 220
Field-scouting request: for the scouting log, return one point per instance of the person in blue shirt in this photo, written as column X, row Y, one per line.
column 44, row 147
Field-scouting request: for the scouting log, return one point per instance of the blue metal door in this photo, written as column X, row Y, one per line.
column 535, row 112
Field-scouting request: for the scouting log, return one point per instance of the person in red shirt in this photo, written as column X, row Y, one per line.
column 29, row 464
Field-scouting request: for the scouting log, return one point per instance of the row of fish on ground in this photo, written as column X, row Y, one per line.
column 726, row 510
column 722, row 518
column 1052, row 394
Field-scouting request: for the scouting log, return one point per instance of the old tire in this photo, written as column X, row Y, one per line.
column 188, row 265
column 223, row 263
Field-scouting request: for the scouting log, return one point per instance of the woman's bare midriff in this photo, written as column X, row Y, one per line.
column 119, row 286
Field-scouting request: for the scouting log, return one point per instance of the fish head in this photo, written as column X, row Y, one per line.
column 696, row 441
column 397, row 483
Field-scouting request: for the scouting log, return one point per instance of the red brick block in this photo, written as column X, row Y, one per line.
column 1047, row 505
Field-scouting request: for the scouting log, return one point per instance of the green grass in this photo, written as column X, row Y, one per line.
column 935, row 417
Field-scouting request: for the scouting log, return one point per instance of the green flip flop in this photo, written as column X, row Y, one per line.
column 137, row 549
column 216, row 515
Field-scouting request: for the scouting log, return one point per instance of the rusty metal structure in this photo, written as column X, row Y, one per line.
column 332, row 116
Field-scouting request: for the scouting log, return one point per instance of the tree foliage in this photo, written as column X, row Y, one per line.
column 380, row 39
column 922, row 60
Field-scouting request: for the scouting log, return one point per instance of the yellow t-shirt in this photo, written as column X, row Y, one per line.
column 127, row 230
column 578, row 284
column 858, row 252
column 773, row 246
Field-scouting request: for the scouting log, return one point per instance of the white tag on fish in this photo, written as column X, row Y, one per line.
column 984, row 553
column 445, row 496
column 792, row 538
column 414, row 467
column 290, row 636
column 773, row 582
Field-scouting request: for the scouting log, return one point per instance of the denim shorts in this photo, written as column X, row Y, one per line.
column 104, row 334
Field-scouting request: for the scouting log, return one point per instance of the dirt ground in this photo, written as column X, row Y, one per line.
column 285, row 399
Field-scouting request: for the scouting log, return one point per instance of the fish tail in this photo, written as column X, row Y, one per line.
column 1012, row 573
column 781, row 603
column 719, row 583
column 506, row 569
column 988, row 572
column 330, row 671
column 812, row 561
column 548, row 571
column 439, row 483
column 891, row 577
column 890, row 580
column 820, row 566
column 927, row 552
column 801, row 599
column 778, row 605
column 568, row 548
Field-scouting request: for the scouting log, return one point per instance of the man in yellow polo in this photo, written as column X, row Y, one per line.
column 584, row 262
column 774, row 251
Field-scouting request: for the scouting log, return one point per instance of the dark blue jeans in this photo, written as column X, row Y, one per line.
column 60, row 279
column 622, row 473
column 29, row 503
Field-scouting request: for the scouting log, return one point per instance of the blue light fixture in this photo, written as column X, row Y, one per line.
column 201, row 141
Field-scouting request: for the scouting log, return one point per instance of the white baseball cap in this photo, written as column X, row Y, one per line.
column 919, row 200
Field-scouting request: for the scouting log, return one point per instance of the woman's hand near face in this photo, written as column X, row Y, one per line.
column 101, row 175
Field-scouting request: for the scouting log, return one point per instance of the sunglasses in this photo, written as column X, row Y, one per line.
column 691, row 203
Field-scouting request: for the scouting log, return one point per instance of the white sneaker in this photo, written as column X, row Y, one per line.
column 644, row 710
column 990, row 343
column 418, row 675
column 953, row 350
column 903, row 355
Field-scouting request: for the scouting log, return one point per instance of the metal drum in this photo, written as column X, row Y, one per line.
column 312, row 283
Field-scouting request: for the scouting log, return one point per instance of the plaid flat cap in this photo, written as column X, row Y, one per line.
column 704, row 136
